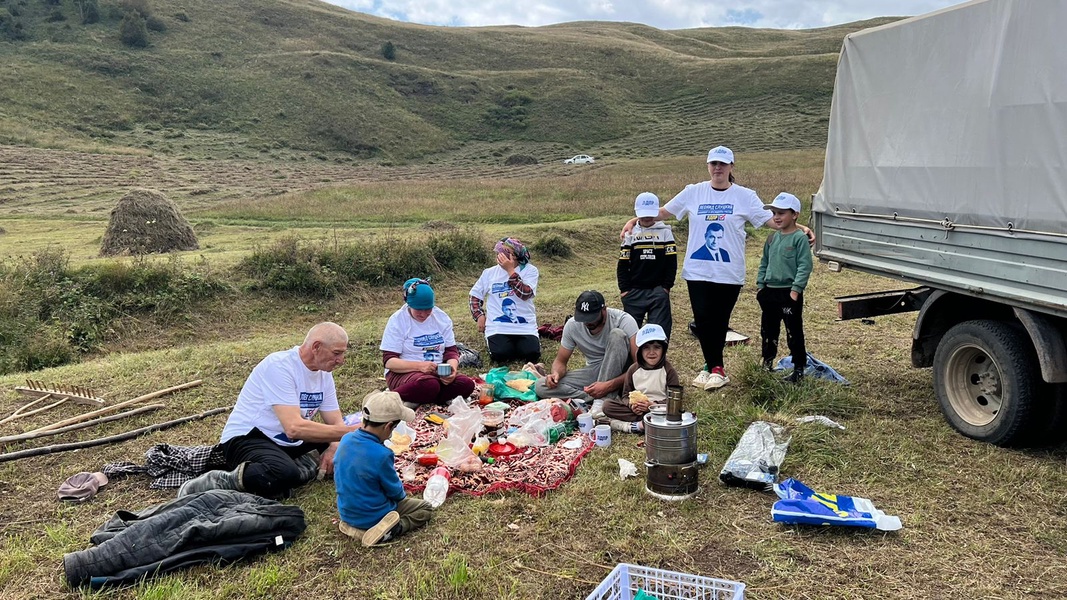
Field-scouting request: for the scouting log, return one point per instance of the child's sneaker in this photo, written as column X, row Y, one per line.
column 597, row 410
column 795, row 377
column 717, row 379
column 381, row 531
column 702, row 379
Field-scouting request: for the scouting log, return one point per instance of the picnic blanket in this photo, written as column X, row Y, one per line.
column 533, row 470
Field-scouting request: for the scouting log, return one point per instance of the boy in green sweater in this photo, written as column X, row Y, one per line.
column 783, row 274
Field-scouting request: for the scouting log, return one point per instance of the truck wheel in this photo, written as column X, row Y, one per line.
column 985, row 379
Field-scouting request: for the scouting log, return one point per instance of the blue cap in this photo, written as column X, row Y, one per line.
column 418, row 294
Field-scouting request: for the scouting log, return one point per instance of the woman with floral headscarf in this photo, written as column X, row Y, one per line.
column 502, row 303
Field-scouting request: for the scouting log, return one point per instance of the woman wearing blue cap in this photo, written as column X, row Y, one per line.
column 419, row 350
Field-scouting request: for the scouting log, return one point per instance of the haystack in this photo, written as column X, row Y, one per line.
column 146, row 221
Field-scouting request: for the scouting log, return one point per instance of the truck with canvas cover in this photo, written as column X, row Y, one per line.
column 946, row 167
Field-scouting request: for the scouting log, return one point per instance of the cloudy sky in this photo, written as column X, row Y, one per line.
column 663, row 14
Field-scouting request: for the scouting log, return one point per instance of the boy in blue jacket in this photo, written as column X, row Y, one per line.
column 370, row 497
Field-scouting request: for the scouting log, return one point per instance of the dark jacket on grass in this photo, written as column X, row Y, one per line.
column 217, row 526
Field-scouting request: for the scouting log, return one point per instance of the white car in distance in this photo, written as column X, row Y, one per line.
column 580, row 159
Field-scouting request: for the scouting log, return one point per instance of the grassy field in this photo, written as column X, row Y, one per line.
column 979, row 521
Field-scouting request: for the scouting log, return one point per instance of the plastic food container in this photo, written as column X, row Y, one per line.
column 492, row 418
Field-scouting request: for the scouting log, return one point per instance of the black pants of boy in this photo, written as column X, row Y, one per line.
column 778, row 307
column 655, row 303
column 271, row 470
column 712, row 305
column 504, row 348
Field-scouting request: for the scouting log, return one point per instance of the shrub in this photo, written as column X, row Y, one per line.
column 388, row 51
column 155, row 24
column 56, row 16
column 552, row 246
column 49, row 312
column 132, row 30
column 459, row 250
column 294, row 266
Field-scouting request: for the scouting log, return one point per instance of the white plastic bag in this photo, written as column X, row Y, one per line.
column 461, row 427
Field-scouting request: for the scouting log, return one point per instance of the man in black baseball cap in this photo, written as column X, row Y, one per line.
column 606, row 338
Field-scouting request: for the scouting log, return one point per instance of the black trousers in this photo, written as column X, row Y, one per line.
column 779, row 308
column 271, row 471
column 504, row 348
column 654, row 303
column 712, row 304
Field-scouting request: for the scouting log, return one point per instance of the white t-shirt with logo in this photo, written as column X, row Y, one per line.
column 280, row 379
column 576, row 335
column 520, row 318
column 720, row 258
column 418, row 341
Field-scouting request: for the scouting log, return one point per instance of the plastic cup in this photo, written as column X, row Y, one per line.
column 585, row 423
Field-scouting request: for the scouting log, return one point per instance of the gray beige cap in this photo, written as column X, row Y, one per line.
column 81, row 486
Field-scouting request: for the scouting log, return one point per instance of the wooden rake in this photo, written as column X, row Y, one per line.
column 74, row 393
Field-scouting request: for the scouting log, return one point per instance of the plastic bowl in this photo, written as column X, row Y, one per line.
column 499, row 450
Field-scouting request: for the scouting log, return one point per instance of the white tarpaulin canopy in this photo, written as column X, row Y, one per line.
column 958, row 114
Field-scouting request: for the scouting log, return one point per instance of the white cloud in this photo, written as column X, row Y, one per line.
column 664, row 14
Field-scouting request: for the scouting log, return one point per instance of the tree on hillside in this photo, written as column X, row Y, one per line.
column 132, row 30
column 389, row 51
column 510, row 111
column 88, row 10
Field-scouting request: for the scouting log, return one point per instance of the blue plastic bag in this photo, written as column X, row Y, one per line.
column 800, row 504
column 816, row 368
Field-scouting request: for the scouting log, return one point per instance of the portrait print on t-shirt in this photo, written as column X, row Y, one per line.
column 510, row 312
column 712, row 248
column 432, row 345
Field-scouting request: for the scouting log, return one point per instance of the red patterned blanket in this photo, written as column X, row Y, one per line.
column 533, row 470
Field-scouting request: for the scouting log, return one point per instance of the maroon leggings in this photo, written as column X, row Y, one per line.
column 422, row 388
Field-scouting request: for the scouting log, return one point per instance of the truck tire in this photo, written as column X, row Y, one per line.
column 985, row 377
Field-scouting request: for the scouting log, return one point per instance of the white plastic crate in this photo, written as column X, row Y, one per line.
column 625, row 580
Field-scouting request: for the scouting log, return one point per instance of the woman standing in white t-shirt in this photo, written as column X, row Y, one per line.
column 502, row 303
column 419, row 350
column 714, row 267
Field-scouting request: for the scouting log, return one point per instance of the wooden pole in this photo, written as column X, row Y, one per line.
column 82, row 425
column 114, row 407
column 107, row 440
column 18, row 414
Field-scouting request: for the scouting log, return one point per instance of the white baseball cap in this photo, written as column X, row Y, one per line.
column 650, row 333
column 785, row 201
column 646, row 205
column 721, row 154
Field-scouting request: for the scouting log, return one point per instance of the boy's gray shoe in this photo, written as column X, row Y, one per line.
column 214, row 480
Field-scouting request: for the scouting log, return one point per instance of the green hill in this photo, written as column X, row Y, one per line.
column 275, row 78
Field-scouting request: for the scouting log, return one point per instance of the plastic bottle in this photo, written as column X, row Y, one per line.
column 481, row 444
column 437, row 486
